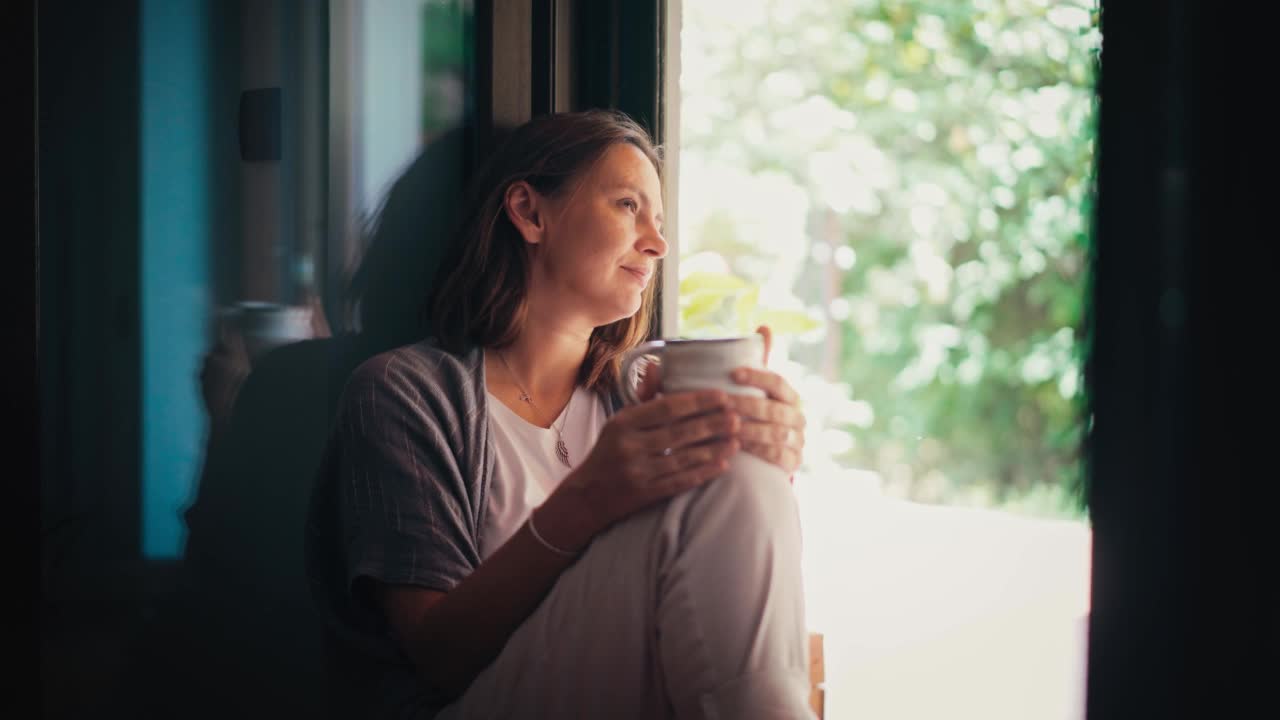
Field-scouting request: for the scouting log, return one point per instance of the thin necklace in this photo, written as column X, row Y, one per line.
column 562, row 450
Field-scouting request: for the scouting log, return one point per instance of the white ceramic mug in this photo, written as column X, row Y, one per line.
column 702, row 364
column 698, row 364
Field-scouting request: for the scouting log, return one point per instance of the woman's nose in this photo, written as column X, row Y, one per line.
column 652, row 243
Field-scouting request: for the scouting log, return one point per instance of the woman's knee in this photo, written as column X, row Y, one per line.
column 752, row 496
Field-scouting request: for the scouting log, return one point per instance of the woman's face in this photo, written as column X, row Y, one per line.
column 603, row 237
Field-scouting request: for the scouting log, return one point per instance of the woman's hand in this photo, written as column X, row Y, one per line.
column 645, row 453
column 773, row 426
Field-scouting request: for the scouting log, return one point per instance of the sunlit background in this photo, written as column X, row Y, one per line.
column 901, row 189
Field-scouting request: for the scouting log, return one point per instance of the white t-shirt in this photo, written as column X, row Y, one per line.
column 526, row 468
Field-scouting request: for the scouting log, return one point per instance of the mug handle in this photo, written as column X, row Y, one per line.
column 629, row 359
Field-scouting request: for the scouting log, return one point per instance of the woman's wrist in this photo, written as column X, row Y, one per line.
column 565, row 519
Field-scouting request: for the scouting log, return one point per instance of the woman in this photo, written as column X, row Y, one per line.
column 493, row 535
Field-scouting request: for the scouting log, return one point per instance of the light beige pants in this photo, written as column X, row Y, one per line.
column 693, row 608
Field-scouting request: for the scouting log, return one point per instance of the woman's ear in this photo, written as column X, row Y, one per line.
column 526, row 209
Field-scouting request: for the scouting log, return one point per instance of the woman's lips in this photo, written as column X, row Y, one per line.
column 641, row 275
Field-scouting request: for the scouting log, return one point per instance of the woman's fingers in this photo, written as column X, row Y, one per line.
column 766, row 410
column 773, row 384
column 694, row 430
column 767, row 333
column 673, row 408
column 693, row 456
column 772, row 434
column 690, row 477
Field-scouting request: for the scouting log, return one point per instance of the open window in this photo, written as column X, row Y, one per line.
column 903, row 192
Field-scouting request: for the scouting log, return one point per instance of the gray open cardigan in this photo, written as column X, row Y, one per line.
column 400, row 497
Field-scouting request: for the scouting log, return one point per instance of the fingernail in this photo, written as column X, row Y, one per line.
column 739, row 375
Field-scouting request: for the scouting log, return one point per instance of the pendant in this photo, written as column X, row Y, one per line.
column 562, row 452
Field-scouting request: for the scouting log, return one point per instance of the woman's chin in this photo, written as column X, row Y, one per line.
column 618, row 311
column 631, row 307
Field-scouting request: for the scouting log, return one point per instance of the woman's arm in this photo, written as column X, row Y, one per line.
column 452, row 636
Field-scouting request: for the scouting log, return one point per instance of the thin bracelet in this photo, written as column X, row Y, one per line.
column 545, row 544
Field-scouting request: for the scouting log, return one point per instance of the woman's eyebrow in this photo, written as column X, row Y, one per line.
column 644, row 198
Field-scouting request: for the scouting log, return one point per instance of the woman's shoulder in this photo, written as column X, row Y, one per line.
column 425, row 359
column 421, row 370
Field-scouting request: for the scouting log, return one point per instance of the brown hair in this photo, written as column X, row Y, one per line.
column 479, row 297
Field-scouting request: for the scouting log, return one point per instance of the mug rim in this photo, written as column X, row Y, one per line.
column 691, row 341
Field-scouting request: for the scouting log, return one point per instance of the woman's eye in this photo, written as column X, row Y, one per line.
column 631, row 205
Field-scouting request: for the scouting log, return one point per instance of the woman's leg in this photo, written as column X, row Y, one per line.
column 691, row 609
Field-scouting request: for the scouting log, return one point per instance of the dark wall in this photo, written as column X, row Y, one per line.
column 1182, row 483
column 95, row 585
column 20, row 303
column 89, row 295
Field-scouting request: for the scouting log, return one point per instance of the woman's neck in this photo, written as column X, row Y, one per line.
column 545, row 359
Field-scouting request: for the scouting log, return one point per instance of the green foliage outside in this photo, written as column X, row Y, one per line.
column 902, row 189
